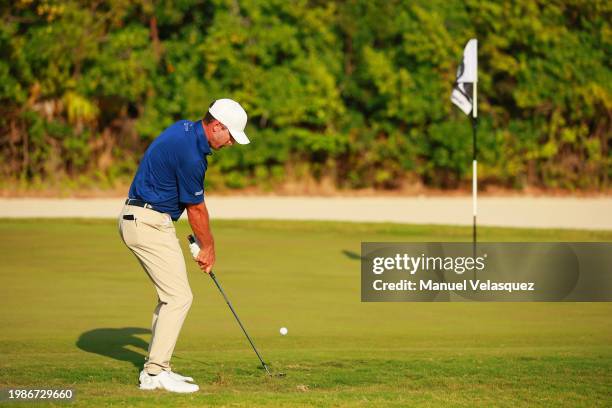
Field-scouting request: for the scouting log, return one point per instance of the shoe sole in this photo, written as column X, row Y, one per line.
column 149, row 388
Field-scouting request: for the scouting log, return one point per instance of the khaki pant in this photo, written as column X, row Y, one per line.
column 152, row 238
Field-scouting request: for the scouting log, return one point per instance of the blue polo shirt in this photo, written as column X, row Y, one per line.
column 171, row 173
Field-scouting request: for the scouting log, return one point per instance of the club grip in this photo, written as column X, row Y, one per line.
column 193, row 245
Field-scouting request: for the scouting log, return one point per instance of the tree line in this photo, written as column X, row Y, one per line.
column 355, row 92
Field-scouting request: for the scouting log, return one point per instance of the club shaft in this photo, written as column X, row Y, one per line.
column 214, row 278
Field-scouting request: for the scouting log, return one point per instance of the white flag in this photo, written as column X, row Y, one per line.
column 467, row 77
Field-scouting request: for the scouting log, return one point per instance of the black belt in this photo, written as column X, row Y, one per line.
column 139, row 203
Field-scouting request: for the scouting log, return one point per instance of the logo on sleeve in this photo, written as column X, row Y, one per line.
column 199, row 192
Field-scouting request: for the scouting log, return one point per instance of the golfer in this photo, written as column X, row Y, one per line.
column 170, row 179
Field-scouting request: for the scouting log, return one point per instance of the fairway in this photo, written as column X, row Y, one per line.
column 77, row 312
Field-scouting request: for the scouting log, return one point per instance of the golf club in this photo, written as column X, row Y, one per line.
column 195, row 249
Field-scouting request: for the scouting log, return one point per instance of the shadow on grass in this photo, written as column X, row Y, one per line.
column 352, row 255
column 113, row 343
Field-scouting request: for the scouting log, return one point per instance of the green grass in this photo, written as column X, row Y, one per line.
column 77, row 307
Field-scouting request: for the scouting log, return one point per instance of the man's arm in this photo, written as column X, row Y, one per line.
column 200, row 225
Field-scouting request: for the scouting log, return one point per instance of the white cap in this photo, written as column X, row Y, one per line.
column 233, row 116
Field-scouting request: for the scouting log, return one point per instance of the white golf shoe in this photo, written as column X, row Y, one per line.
column 166, row 381
column 179, row 377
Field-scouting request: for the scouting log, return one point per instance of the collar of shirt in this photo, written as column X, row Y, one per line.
column 201, row 139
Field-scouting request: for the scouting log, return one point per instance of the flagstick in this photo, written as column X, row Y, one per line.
column 474, row 163
column 474, row 168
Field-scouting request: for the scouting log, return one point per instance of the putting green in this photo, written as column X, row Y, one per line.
column 77, row 308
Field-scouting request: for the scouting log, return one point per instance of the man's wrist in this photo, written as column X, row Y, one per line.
column 207, row 247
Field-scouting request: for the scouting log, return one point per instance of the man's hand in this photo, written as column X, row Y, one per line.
column 206, row 259
column 200, row 225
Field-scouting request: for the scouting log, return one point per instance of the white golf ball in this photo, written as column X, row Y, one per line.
column 284, row 331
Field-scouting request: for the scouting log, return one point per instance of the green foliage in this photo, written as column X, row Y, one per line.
column 356, row 92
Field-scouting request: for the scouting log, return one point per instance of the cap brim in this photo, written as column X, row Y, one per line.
column 240, row 137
